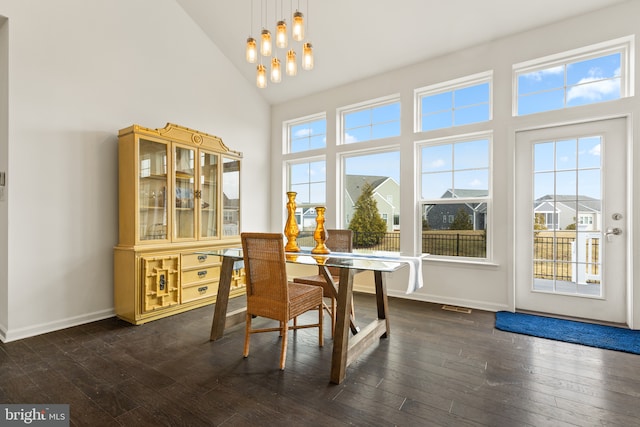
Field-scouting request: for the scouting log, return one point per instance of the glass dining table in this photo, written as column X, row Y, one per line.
column 346, row 348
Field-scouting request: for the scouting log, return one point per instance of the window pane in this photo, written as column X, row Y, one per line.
column 299, row 173
column 471, row 95
column 386, row 113
column 437, row 121
column 566, row 154
column 438, row 102
column 543, row 155
column 604, row 67
column 385, row 130
column 589, row 152
column 357, row 135
column 543, row 101
column 357, row 118
column 471, row 183
column 472, row 154
column 455, row 229
column 437, row 158
column 475, row 114
column 436, row 185
column 309, row 181
column 542, row 80
column 588, row 92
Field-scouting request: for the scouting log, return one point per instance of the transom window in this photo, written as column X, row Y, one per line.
column 454, row 103
column 585, row 76
column 373, row 120
column 307, row 134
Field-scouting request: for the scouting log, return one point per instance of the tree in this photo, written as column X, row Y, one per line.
column 367, row 225
column 462, row 221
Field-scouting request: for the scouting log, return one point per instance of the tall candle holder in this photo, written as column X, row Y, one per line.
column 291, row 230
column 320, row 234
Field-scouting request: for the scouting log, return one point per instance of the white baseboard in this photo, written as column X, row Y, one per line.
column 8, row 335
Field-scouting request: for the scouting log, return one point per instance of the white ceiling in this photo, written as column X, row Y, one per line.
column 354, row 39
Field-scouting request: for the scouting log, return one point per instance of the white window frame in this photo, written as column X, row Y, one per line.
column 487, row 199
column 450, row 86
column 623, row 45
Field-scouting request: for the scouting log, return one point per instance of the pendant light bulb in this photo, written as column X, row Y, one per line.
column 265, row 44
column 276, row 74
column 297, row 32
column 292, row 66
column 261, row 78
column 307, row 56
column 281, row 35
column 252, row 50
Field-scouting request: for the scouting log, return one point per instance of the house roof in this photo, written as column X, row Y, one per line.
column 354, row 184
column 584, row 203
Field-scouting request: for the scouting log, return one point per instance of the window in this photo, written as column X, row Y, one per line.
column 373, row 120
column 369, row 181
column 454, row 103
column 307, row 134
column 455, row 195
column 584, row 76
column 308, row 180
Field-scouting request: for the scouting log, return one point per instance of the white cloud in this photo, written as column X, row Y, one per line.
column 303, row 133
column 475, row 183
column 593, row 87
column 595, row 150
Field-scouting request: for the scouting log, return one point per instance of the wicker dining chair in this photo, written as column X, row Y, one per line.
column 270, row 295
column 337, row 241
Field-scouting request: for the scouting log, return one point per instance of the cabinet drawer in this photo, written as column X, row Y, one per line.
column 198, row 291
column 205, row 274
column 199, row 260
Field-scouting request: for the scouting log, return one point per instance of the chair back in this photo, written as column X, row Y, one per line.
column 339, row 241
column 265, row 268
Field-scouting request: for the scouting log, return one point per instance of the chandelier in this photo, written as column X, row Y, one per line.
column 282, row 46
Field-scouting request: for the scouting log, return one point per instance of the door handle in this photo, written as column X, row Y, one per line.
column 612, row 231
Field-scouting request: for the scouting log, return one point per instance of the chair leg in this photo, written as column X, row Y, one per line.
column 283, row 351
column 247, row 335
column 320, row 321
column 333, row 316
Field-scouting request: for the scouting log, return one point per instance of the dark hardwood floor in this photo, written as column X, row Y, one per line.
column 437, row 368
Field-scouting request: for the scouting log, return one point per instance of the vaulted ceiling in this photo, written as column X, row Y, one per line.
column 354, row 39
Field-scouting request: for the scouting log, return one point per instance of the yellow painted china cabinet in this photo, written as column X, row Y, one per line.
column 179, row 194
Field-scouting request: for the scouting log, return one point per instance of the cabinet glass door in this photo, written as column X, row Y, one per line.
column 184, row 218
column 208, row 192
column 152, row 190
column 231, row 196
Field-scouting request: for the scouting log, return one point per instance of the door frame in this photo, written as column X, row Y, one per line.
column 630, row 231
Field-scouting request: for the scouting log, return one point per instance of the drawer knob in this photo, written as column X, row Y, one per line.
column 202, row 273
column 203, row 289
column 202, row 258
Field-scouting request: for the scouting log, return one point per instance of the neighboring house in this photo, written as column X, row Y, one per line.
column 230, row 216
column 558, row 213
column 386, row 192
column 441, row 216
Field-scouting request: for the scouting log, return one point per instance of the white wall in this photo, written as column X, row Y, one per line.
column 486, row 286
column 78, row 71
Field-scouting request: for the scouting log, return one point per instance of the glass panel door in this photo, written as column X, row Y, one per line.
column 152, row 190
column 209, row 199
column 231, row 196
column 184, row 166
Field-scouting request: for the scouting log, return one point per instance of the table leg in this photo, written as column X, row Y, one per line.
column 224, row 286
column 341, row 335
column 345, row 349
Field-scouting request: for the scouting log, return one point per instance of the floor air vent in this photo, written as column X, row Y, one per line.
column 457, row 309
